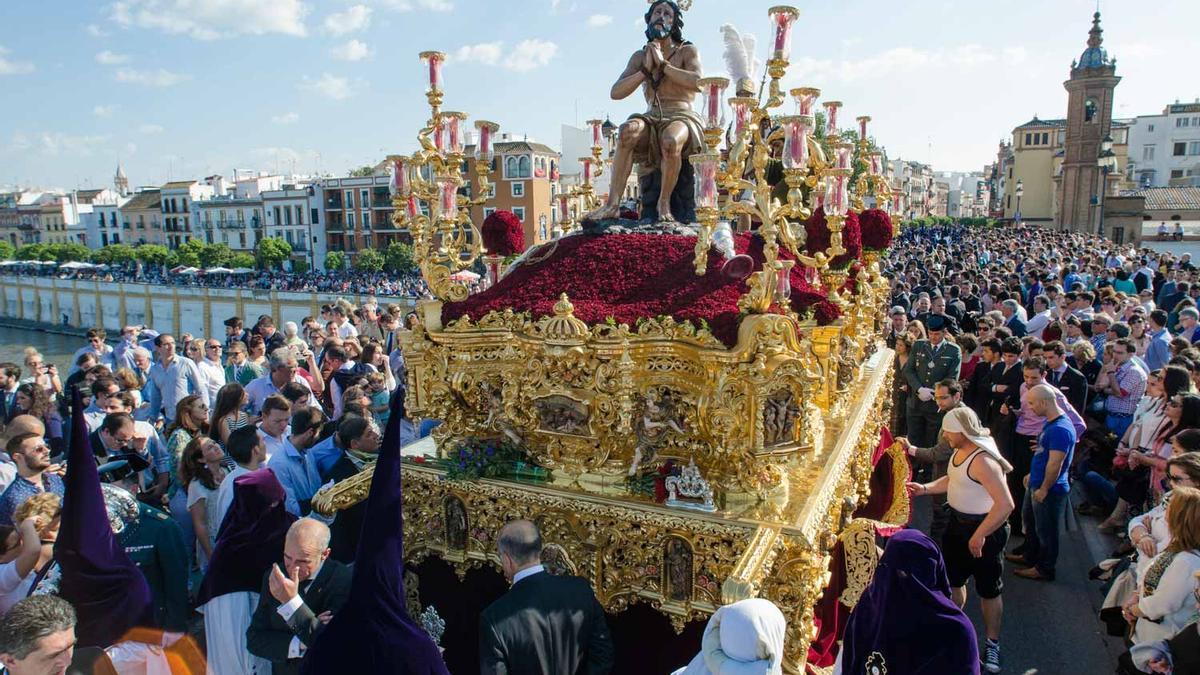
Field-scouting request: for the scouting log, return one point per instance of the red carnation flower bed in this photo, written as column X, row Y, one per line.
column 503, row 234
column 634, row 276
column 817, row 237
column 876, row 229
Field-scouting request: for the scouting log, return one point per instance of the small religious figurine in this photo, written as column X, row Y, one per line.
column 494, row 400
column 667, row 70
column 657, row 417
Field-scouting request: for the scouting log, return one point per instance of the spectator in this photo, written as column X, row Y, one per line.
column 1165, row 602
column 283, row 370
column 34, row 476
column 38, row 636
column 239, row 369
column 173, row 378
column 273, row 427
column 295, row 466
column 200, row 474
column 246, row 449
column 229, row 415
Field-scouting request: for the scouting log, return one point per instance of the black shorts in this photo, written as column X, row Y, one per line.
column 988, row 569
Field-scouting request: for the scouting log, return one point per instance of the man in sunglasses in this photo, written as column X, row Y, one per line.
column 34, row 474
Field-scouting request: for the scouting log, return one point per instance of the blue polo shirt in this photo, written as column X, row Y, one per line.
column 1058, row 436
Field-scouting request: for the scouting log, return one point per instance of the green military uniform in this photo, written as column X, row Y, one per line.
column 926, row 366
column 155, row 544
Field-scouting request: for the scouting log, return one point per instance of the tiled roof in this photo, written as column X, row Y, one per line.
column 510, row 146
column 87, row 196
column 179, row 184
column 1169, row 198
column 146, row 199
column 1035, row 122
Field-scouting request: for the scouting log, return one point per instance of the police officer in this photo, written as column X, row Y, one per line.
column 929, row 362
column 151, row 539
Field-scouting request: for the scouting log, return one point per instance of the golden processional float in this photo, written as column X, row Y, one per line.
column 682, row 459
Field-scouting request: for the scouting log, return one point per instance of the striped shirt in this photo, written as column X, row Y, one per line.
column 1131, row 380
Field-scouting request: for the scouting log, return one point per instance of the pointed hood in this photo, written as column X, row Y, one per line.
column 109, row 593
column 373, row 633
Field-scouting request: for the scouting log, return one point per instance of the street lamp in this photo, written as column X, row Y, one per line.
column 1107, row 161
column 1019, row 192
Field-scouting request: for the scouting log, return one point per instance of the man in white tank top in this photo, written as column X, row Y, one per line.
column 979, row 502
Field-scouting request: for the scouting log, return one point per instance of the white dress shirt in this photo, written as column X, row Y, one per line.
column 214, row 377
column 296, row 648
column 527, row 572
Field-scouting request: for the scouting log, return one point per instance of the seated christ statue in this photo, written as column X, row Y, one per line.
column 667, row 70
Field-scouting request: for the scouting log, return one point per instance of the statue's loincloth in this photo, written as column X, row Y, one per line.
column 656, row 122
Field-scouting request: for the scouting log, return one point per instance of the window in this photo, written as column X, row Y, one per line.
column 287, row 217
column 1027, row 139
column 510, row 167
column 1194, row 148
column 366, row 220
column 184, row 207
column 518, row 189
column 1147, row 153
column 241, row 240
column 299, row 215
column 1089, row 110
column 523, row 170
column 1179, row 150
column 1181, row 122
column 364, row 199
column 1045, row 138
column 315, row 219
column 278, row 218
column 349, row 199
column 1150, row 128
column 519, row 212
column 1176, row 173
column 487, row 211
column 350, row 220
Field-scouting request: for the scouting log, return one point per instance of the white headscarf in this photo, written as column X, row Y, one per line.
column 963, row 420
column 745, row 638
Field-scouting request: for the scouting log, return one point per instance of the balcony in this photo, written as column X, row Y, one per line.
column 333, row 203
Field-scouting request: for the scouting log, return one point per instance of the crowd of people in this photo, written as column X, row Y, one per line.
column 347, row 282
column 1033, row 366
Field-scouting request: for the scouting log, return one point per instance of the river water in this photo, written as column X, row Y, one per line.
column 57, row 349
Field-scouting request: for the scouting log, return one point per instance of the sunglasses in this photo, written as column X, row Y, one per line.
column 212, row 346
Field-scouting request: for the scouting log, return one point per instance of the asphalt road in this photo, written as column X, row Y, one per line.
column 1052, row 628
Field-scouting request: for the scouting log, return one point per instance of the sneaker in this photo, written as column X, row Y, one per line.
column 991, row 657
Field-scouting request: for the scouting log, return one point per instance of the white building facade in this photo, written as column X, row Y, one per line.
column 1164, row 150
column 293, row 214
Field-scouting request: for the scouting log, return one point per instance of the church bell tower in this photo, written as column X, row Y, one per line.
column 1089, row 122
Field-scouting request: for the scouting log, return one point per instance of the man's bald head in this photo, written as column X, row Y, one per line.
column 306, row 547
column 309, row 532
column 521, row 541
column 1043, row 401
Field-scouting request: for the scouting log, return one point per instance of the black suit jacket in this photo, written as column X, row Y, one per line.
column 1073, row 385
column 548, row 625
column 269, row 635
column 1016, row 325
column 347, row 526
column 1014, row 378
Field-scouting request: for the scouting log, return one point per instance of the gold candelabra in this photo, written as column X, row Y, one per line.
column 584, row 193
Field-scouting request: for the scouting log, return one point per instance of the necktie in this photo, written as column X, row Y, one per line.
column 237, row 374
column 1054, row 377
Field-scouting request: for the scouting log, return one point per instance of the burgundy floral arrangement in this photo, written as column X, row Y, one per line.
column 629, row 214
column 626, row 277
column 876, row 230
column 817, row 237
column 503, row 234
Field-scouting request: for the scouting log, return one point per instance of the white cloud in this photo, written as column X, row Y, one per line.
column 487, row 53
column 436, row 5
column 286, row 118
column 901, row 61
column 151, row 129
column 56, row 143
column 599, row 20
column 530, row 54
column 213, row 19
column 107, row 58
column 10, row 67
column 352, row 20
column 330, row 86
column 104, row 110
column 95, row 31
column 131, row 149
column 354, row 50
column 151, row 78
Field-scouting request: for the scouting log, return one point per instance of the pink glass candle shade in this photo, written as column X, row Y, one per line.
column 741, row 116
column 454, row 139
column 837, row 200
column 447, row 207
column 795, row 142
column 831, row 117
column 597, row 138
column 587, row 171
column 806, row 98
column 783, row 284
column 400, row 179
column 862, row 127
column 439, row 134
column 413, row 207
column 564, row 211
column 483, row 149
column 876, row 163
column 843, row 154
column 706, row 180
column 434, row 61
column 781, row 21
column 714, row 112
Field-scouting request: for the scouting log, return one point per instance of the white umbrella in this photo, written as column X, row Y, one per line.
column 242, row 270
column 76, row 265
column 187, row 270
column 218, row 270
column 464, row 275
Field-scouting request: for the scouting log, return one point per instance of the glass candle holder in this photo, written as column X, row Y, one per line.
column 876, row 163
column 831, row 117
column 434, row 62
column 439, row 133
column 587, row 170
column 843, row 155
column 597, row 133
column 795, row 141
column 564, row 211
column 454, row 135
column 741, row 108
column 713, row 89
column 782, row 18
column 412, row 208
column 483, row 149
column 705, row 164
column 401, row 180
column 447, row 206
column 862, row 127
column 837, row 199
column 783, row 284
column 806, row 99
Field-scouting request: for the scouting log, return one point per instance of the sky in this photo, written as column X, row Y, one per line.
column 187, row 88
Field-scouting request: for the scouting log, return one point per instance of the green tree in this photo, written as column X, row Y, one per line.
column 362, row 172
column 187, row 256
column 33, row 252
column 70, row 252
column 398, row 257
column 368, row 260
column 241, row 260
column 335, row 261
column 273, row 252
column 114, row 254
column 6, row 250
column 152, row 254
column 214, row 255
